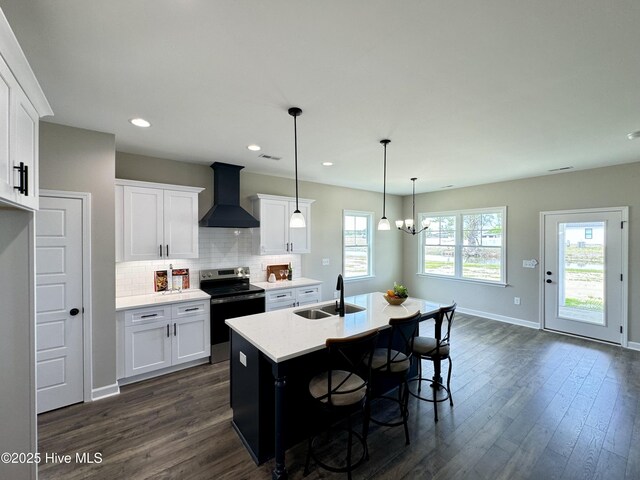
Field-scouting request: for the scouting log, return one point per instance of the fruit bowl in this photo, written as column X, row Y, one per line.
column 394, row 300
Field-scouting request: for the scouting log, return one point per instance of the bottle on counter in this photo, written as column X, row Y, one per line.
column 290, row 274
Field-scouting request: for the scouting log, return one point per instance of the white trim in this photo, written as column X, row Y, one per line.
column 633, row 346
column 165, row 186
column 499, row 318
column 624, row 213
column 264, row 196
column 468, row 280
column 33, row 376
column 87, row 288
column 105, row 392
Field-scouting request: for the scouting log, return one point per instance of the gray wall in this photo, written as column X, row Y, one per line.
column 525, row 199
column 79, row 160
column 17, row 372
column 326, row 215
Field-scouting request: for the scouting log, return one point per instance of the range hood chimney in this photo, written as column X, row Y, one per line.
column 226, row 211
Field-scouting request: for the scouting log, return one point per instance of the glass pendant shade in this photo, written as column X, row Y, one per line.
column 297, row 220
column 384, row 224
column 408, row 222
column 399, row 223
column 425, row 223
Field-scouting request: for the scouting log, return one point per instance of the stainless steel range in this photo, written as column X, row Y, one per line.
column 231, row 296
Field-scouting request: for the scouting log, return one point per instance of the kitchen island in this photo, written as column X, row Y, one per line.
column 273, row 356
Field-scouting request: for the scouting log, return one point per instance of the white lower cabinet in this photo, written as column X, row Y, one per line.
column 164, row 336
column 292, row 297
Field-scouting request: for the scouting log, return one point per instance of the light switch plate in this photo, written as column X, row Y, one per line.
column 243, row 359
column 529, row 263
column 325, row 262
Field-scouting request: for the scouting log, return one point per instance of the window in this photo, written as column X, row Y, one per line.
column 468, row 244
column 357, row 244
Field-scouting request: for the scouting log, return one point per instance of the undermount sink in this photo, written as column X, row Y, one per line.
column 312, row 314
column 348, row 308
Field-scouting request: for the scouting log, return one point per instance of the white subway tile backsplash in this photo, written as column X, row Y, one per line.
column 219, row 248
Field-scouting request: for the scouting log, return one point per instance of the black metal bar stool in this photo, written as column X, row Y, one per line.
column 342, row 390
column 435, row 350
column 391, row 365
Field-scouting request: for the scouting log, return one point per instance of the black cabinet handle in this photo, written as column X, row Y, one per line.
column 149, row 316
column 26, row 181
column 174, row 330
column 292, row 246
column 160, row 251
column 168, row 335
column 309, row 291
column 280, row 296
column 191, row 309
column 167, row 251
column 20, row 169
column 73, row 312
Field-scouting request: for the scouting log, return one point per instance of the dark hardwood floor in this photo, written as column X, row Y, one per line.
column 528, row 405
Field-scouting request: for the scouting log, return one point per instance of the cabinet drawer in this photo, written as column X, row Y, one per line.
column 181, row 310
column 280, row 296
column 139, row 316
column 308, row 294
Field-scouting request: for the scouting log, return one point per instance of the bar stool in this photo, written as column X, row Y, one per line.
column 342, row 390
column 435, row 350
column 391, row 364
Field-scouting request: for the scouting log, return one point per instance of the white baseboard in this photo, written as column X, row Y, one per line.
column 633, row 346
column 500, row 318
column 163, row 371
column 104, row 392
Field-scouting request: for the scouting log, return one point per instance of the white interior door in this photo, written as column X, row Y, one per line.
column 583, row 273
column 59, row 312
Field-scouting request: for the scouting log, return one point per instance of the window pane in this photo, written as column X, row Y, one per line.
column 482, row 263
column 356, row 261
column 439, row 260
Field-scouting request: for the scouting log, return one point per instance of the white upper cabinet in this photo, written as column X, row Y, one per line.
column 22, row 103
column 155, row 221
column 274, row 236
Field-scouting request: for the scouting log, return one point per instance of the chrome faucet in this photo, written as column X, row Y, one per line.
column 340, row 286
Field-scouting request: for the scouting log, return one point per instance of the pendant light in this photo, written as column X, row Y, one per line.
column 297, row 219
column 383, row 224
column 408, row 226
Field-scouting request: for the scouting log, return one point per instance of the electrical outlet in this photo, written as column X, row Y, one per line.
column 336, row 294
column 516, row 300
column 243, row 359
column 325, row 262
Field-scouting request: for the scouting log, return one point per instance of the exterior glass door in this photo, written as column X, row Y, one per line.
column 583, row 289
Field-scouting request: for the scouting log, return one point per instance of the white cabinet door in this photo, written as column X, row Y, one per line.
column 180, row 224
column 143, row 223
column 24, row 149
column 274, row 227
column 7, row 82
column 148, row 348
column 300, row 238
column 191, row 339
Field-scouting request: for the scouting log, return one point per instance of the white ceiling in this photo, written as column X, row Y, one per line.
column 468, row 92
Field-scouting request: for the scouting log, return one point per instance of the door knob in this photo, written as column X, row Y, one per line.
column 74, row 311
column 548, row 272
column 548, row 280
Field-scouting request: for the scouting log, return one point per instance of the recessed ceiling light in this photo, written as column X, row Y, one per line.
column 254, row 148
column 447, row 186
column 140, row 122
column 633, row 135
column 327, row 164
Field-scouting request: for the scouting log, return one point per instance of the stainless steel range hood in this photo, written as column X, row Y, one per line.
column 226, row 211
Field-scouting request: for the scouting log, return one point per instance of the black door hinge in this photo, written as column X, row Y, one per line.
column 622, row 224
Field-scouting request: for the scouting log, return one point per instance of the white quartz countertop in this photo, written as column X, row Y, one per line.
column 282, row 284
column 282, row 335
column 135, row 301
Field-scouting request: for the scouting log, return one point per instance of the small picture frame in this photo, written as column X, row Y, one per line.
column 180, row 278
column 160, row 283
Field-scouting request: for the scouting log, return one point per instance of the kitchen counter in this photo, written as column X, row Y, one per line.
column 135, row 301
column 281, row 335
column 282, row 284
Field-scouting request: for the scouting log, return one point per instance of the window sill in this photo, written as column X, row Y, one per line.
column 465, row 280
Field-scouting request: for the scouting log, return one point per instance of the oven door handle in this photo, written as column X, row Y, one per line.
column 239, row 298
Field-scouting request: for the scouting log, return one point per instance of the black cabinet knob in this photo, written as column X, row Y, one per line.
column 548, row 280
column 74, row 311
